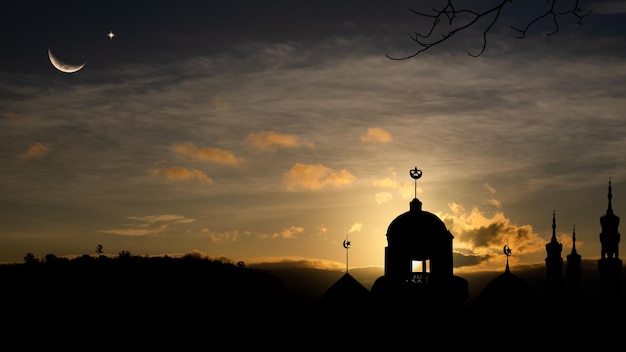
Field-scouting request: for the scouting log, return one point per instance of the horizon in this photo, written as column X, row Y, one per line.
column 270, row 132
column 312, row 282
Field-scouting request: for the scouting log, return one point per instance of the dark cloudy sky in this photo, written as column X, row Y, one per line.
column 274, row 130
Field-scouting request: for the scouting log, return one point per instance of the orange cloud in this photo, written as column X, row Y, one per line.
column 218, row 238
column 356, row 227
column 215, row 155
column 181, row 174
column 289, row 233
column 272, row 140
column 173, row 218
column 376, row 134
column 144, row 225
column 36, row 150
column 406, row 189
column 480, row 234
column 136, row 232
column 314, row 177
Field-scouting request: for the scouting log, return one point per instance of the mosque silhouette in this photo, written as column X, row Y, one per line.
column 420, row 287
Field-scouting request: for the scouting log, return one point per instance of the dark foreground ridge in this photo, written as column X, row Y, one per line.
column 143, row 300
column 163, row 301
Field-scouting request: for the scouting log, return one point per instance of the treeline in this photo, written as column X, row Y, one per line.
column 183, row 293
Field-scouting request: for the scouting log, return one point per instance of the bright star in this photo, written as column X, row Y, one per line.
column 111, row 35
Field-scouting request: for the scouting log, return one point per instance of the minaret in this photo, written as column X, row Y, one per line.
column 574, row 268
column 609, row 264
column 554, row 263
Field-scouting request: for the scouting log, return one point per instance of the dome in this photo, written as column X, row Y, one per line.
column 420, row 225
column 505, row 293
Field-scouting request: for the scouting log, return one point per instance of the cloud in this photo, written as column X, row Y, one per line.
column 177, row 219
column 314, row 177
column 145, row 225
column 383, row 197
column 386, row 183
column 289, row 233
column 272, row 140
column 35, row 151
column 496, row 203
column 136, row 232
column 214, row 155
column 477, row 234
column 376, row 134
column 228, row 236
column 356, row 227
column 176, row 173
column 270, row 263
column 406, row 189
column 235, row 235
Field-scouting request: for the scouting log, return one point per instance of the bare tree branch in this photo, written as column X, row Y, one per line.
column 452, row 17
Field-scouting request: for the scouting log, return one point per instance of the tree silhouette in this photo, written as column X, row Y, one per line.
column 30, row 258
column 99, row 250
column 449, row 21
column 50, row 258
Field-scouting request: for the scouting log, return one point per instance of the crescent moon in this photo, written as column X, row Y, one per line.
column 63, row 67
column 506, row 250
column 346, row 244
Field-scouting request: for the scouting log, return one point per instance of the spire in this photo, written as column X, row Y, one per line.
column 554, row 246
column 507, row 270
column 553, row 226
column 609, row 210
column 554, row 261
column 574, row 239
column 507, row 251
column 346, row 245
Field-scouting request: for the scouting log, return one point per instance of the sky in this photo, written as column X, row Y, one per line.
column 274, row 131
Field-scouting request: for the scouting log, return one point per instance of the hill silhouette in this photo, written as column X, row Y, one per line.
column 161, row 301
column 149, row 301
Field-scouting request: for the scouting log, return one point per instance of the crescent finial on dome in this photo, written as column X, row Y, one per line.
column 415, row 174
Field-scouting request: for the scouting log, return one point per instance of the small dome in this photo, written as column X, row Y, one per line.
column 504, row 295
